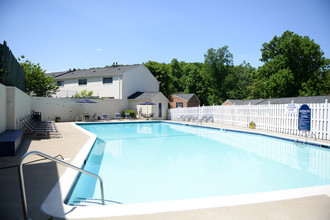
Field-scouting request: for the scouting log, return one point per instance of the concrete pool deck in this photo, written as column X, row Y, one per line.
column 42, row 175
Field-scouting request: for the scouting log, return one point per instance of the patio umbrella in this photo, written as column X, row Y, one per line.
column 147, row 103
column 86, row 101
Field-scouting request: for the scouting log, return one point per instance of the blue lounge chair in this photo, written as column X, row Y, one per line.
column 127, row 116
column 105, row 117
column 117, row 116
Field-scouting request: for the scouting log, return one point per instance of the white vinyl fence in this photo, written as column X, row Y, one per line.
column 269, row 117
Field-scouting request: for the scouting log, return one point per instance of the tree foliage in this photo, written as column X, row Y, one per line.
column 36, row 82
column 239, row 81
column 161, row 72
column 195, row 82
column 217, row 67
column 294, row 66
column 84, row 94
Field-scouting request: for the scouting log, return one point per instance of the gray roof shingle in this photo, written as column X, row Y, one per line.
column 143, row 95
column 99, row 72
column 185, row 96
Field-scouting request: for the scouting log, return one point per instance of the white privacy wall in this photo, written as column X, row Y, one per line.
column 68, row 108
column 18, row 105
column 3, row 108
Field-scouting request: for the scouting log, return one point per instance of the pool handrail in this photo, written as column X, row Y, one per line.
column 21, row 177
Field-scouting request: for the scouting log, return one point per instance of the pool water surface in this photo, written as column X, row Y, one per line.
column 159, row 161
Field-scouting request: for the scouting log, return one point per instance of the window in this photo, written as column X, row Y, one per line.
column 82, row 82
column 60, row 83
column 179, row 104
column 107, row 80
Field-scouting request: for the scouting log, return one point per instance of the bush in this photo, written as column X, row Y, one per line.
column 131, row 113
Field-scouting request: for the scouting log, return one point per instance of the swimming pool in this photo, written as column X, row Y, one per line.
column 55, row 203
column 161, row 161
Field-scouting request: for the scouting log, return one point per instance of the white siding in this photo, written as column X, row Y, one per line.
column 139, row 79
column 159, row 98
column 122, row 86
column 96, row 85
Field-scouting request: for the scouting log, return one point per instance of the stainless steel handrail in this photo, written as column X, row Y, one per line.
column 21, row 177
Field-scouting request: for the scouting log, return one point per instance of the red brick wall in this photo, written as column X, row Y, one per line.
column 193, row 102
column 177, row 99
column 227, row 103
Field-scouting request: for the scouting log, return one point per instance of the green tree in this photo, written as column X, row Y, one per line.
column 217, row 66
column 176, row 74
column 195, row 82
column 162, row 73
column 294, row 66
column 239, row 80
column 84, row 94
column 36, row 82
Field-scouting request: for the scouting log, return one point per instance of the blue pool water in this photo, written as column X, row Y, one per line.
column 146, row 162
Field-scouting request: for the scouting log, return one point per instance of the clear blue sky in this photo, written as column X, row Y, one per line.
column 63, row 34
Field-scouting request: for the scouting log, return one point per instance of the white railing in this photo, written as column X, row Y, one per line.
column 269, row 117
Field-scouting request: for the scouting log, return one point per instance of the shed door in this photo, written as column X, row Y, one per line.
column 159, row 110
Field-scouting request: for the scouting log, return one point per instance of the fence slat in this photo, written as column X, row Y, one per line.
column 267, row 117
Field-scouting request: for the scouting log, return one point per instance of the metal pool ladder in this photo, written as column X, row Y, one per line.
column 21, row 177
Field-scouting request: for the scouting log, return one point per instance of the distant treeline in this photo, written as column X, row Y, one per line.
column 293, row 66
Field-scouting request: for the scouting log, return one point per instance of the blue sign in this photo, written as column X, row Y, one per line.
column 304, row 118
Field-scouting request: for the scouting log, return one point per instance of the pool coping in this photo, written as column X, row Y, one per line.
column 54, row 203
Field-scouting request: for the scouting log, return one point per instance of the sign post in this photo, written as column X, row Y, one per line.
column 304, row 121
column 304, row 118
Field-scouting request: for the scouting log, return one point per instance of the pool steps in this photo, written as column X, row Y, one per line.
column 21, row 178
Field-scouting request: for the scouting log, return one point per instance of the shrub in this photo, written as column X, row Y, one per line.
column 252, row 125
column 131, row 113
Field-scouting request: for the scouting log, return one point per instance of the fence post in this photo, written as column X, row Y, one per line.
column 327, row 121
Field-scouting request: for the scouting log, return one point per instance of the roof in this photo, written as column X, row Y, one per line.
column 286, row 100
column 143, row 95
column 186, row 97
column 245, row 102
column 99, row 72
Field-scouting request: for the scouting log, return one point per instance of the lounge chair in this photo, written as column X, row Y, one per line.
column 210, row 119
column 94, row 118
column 47, row 128
column 202, row 119
column 79, row 117
column 127, row 116
column 105, row 117
column 117, row 116
column 151, row 115
column 182, row 117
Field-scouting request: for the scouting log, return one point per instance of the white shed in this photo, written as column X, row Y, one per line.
column 159, row 109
